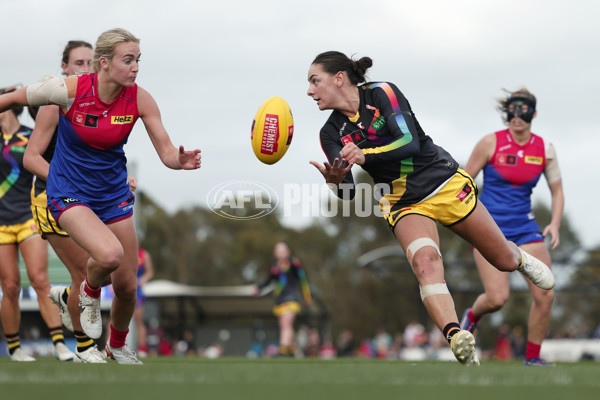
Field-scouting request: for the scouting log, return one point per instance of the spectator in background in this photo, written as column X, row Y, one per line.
column 345, row 344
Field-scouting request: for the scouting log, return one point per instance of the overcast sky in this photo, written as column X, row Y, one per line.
column 210, row 65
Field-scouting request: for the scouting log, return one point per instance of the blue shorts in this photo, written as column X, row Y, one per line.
column 108, row 211
column 141, row 298
column 519, row 228
column 524, row 238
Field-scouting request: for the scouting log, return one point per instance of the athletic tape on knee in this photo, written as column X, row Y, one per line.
column 432, row 290
column 417, row 244
column 50, row 90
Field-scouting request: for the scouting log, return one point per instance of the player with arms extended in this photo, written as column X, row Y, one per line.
column 87, row 188
column 373, row 125
column 513, row 161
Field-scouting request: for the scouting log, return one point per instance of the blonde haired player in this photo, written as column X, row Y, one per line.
column 87, row 188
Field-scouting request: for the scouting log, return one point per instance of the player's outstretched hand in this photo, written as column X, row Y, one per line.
column 189, row 159
column 333, row 173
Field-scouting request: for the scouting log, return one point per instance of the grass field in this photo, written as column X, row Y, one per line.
column 289, row 379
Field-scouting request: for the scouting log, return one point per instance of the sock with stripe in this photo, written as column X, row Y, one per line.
column 57, row 335
column 13, row 341
column 450, row 330
column 84, row 342
column 92, row 291
column 472, row 317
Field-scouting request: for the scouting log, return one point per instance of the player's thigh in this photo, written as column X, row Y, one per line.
column 414, row 226
column 35, row 255
column 9, row 267
column 90, row 233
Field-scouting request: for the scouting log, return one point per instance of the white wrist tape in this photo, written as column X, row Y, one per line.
column 432, row 290
column 50, row 90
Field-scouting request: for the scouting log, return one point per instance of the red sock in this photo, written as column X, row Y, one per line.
column 474, row 319
column 117, row 338
column 91, row 290
column 532, row 350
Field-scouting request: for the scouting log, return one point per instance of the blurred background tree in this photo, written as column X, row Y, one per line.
column 356, row 267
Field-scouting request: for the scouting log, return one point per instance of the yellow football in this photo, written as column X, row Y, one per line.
column 272, row 130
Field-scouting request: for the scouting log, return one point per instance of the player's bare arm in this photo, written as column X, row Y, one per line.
column 172, row 157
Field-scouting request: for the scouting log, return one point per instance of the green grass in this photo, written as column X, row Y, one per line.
column 289, row 379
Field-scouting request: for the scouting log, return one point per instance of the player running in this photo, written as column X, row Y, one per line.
column 373, row 125
column 513, row 161
column 87, row 188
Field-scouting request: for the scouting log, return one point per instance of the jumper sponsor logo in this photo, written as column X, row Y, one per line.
column 378, row 123
column 270, row 134
column 242, row 200
column 342, row 129
column 505, row 147
column 533, row 160
column 87, row 104
column 121, row 119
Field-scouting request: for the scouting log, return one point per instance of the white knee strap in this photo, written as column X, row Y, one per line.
column 433, row 289
column 417, row 244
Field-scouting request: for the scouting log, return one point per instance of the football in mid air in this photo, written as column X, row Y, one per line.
column 272, row 130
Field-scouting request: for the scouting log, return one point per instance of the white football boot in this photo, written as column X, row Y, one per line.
column 62, row 352
column 91, row 355
column 123, row 355
column 90, row 317
column 536, row 271
column 56, row 295
column 19, row 355
column 463, row 347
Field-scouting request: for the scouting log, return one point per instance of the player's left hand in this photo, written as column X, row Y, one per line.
column 554, row 235
column 189, row 159
column 132, row 180
column 352, row 154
